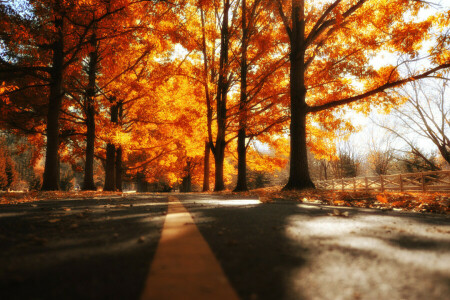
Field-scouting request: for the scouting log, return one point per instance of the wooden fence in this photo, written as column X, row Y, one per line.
column 435, row 181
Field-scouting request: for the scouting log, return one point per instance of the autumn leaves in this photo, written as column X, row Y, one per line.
column 192, row 77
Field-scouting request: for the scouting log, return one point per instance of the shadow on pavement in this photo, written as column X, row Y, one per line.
column 289, row 250
column 79, row 249
column 102, row 248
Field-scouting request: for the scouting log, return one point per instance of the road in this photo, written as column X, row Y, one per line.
column 111, row 247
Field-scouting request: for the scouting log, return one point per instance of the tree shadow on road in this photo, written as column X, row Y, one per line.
column 288, row 250
column 79, row 249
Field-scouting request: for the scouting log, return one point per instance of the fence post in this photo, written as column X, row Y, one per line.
column 367, row 184
column 382, row 183
column 401, row 182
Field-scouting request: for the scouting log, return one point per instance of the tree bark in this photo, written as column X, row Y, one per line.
column 119, row 169
column 109, row 168
column 110, row 180
column 88, row 183
column 119, row 151
column 51, row 169
column 206, row 168
column 241, row 185
column 186, row 185
column 219, row 158
column 299, row 177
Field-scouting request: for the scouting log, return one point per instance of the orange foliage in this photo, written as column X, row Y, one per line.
column 152, row 62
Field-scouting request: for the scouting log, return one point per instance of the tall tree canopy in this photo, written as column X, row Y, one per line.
column 150, row 88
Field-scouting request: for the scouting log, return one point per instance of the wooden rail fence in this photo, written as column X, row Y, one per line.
column 434, row 181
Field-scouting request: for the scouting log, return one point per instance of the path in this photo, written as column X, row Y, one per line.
column 104, row 248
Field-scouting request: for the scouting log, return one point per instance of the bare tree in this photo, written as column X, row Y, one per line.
column 348, row 162
column 380, row 154
column 425, row 116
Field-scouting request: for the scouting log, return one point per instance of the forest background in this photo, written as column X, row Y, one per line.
column 194, row 95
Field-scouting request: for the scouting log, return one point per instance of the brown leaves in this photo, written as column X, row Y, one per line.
column 418, row 202
column 19, row 197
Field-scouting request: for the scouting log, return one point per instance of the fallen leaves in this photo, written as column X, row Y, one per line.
column 382, row 199
column 417, row 201
column 33, row 196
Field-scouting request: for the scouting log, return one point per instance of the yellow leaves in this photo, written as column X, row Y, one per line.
column 122, row 138
column 385, row 74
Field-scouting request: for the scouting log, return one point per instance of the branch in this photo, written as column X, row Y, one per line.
column 316, row 32
column 284, row 18
column 380, row 89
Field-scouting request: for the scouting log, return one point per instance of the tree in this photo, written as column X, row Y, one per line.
column 347, row 163
column 423, row 116
column 241, row 184
column 148, row 87
column 262, row 100
column 51, row 42
column 412, row 163
column 255, row 63
column 223, row 84
column 332, row 42
column 381, row 155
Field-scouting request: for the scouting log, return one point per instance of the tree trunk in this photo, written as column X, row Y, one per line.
column 51, row 169
column 241, row 185
column 222, row 93
column 186, row 185
column 109, row 168
column 119, row 169
column 110, row 181
column 142, row 184
column 208, row 96
column 206, row 168
column 219, row 158
column 88, row 183
column 298, row 169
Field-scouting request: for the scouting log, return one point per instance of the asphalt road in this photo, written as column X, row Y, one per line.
column 103, row 248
